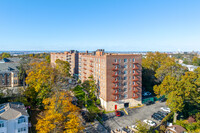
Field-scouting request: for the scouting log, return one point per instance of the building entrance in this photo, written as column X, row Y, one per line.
column 126, row 105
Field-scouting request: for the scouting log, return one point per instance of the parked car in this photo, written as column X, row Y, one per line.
column 163, row 113
column 149, row 122
column 118, row 113
column 146, row 93
column 166, row 109
column 149, row 103
column 155, row 117
column 162, row 99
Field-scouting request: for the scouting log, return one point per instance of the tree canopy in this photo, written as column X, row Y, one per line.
column 60, row 115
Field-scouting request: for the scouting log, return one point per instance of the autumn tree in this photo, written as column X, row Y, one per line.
column 153, row 61
column 196, row 61
column 40, row 78
column 59, row 116
column 169, row 67
column 5, row 55
column 180, row 92
column 63, row 67
column 141, row 127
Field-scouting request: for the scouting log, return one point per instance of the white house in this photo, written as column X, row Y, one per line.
column 13, row 118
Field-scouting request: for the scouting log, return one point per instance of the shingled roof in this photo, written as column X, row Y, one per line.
column 12, row 110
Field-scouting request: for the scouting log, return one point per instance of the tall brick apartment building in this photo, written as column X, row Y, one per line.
column 71, row 57
column 118, row 77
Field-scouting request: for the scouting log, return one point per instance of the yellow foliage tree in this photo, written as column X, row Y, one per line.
column 40, row 78
column 60, row 115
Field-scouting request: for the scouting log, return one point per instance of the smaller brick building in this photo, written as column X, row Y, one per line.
column 9, row 72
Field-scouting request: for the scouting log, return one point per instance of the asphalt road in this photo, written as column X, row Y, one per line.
column 113, row 122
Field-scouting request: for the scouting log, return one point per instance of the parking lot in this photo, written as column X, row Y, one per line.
column 113, row 122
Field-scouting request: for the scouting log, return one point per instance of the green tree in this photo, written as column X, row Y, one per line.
column 141, row 127
column 196, row 61
column 63, row 67
column 170, row 67
column 5, row 55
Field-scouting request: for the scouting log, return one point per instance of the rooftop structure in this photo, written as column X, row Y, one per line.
column 13, row 118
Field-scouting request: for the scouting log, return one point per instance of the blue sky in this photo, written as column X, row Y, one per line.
column 115, row 25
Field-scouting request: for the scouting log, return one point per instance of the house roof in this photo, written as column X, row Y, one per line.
column 12, row 110
column 8, row 67
column 176, row 128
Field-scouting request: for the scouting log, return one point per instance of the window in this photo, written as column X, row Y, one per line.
column 125, row 60
column 133, row 71
column 21, row 120
column 119, row 90
column 133, row 94
column 119, row 78
column 125, row 78
column 119, row 60
column 130, row 60
column 133, row 66
column 119, row 96
column 1, row 124
column 133, row 77
column 133, row 60
column 115, row 97
column 125, row 83
column 125, row 66
column 21, row 129
column 119, row 72
column 125, row 72
column 115, row 60
column 125, row 89
column 15, row 75
column 125, row 95
column 15, row 81
column 133, row 83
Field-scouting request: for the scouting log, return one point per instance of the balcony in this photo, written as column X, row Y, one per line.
column 84, row 77
column 91, row 65
column 115, row 87
column 84, row 68
column 84, row 72
column 135, row 97
column 91, row 71
column 91, row 61
column 135, row 62
column 135, row 91
column 135, row 85
column 84, row 59
column 115, row 69
column 115, row 81
column 115, row 75
column 114, row 99
column 115, row 93
column 136, row 79
column 135, row 68
column 84, row 64
column 135, row 74
column 115, row 63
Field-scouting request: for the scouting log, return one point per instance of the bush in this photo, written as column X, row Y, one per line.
column 98, row 102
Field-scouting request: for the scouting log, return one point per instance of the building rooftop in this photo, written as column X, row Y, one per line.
column 10, row 60
column 8, row 67
column 12, row 110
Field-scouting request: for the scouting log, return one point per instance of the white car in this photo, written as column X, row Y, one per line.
column 149, row 122
column 166, row 109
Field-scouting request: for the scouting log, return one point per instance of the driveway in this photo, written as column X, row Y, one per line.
column 112, row 122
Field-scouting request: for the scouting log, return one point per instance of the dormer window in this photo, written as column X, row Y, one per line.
column 21, row 120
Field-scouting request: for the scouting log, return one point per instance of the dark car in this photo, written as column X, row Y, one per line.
column 149, row 103
column 162, row 99
column 163, row 113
